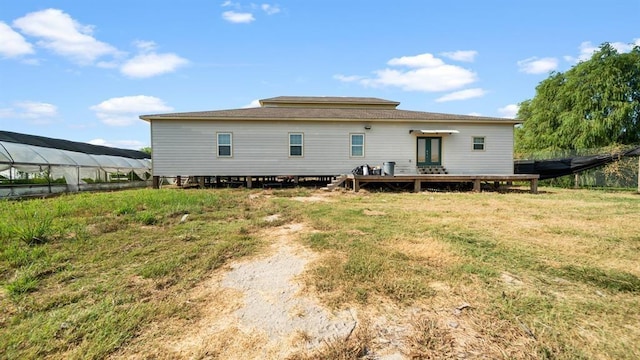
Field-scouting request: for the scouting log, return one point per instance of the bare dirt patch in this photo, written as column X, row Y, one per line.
column 254, row 309
column 314, row 198
column 257, row 309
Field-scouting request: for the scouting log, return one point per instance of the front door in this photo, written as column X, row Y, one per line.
column 429, row 151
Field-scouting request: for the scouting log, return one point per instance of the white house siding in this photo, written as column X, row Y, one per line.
column 459, row 158
column 182, row 147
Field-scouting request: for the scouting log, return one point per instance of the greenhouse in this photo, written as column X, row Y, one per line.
column 39, row 166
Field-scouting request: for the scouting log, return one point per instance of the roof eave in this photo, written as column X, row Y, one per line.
column 150, row 118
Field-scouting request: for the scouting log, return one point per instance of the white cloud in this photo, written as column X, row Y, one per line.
column 123, row 144
column 244, row 14
column 152, row 64
column 253, row 104
column 63, row 35
column 145, row 46
column 426, row 73
column 462, row 95
column 12, row 44
column 417, row 61
column 587, row 49
column 270, row 9
column 238, row 17
column 37, row 113
column 124, row 111
column 35, row 109
column 625, row 47
column 533, row 65
column 474, row 114
column 461, row 55
column 509, row 111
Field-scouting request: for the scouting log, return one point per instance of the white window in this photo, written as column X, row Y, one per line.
column 478, row 143
column 296, row 144
column 357, row 145
column 225, row 144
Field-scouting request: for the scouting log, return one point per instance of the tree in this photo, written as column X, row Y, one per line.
column 146, row 149
column 594, row 104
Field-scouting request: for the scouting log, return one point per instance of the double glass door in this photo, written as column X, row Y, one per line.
column 429, row 151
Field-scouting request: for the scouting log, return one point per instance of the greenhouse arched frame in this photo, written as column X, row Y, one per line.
column 38, row 166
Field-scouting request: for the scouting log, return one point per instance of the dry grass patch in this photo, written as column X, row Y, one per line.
column 564, row 255
column 356, row 345
column 427, row 250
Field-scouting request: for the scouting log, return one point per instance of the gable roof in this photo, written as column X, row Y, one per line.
column 293, row 108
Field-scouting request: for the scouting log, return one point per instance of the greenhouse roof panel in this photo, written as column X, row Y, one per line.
column 54, row 156
column 119, row 161
column 24, row 154
column 105, row 161
column 4, row 155
column 81, row 159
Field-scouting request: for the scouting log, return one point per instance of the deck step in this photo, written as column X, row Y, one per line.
column 337, row 181
column 428, row 170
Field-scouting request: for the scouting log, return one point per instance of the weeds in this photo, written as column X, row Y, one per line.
column 429, row 341
column 33, row 227
column 25, row 283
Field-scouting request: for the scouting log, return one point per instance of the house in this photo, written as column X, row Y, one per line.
column 327, row 136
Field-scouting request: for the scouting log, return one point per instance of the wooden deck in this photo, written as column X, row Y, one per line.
column 357, row 180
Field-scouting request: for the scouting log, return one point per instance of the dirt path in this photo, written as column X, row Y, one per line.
column 273, row 306
column 257, row 309
column 253, row 310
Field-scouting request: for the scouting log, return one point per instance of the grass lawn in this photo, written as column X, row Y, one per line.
column 554, row 275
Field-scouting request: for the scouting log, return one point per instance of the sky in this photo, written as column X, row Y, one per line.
column 86, row 70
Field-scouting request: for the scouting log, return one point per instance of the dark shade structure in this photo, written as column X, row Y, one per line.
column 548, row 169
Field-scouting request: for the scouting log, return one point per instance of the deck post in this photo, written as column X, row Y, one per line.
column 201, row 181
column 249, row 180
column 156, row 182
column 416, row 186
column 476, row 185
column 534, row 186
column 356, row 185
column 179, row 180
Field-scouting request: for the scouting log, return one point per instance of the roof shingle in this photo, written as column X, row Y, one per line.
column 312, row 108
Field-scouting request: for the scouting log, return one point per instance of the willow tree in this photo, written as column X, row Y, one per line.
column 594, row 104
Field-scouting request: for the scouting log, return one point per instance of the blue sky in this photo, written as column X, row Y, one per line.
column 85, row 70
